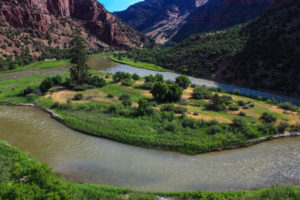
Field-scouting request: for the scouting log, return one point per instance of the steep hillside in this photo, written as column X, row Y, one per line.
column 263, row 54
column 218, row 14
column 41, row 23
column 160, row 19
column 175, row 20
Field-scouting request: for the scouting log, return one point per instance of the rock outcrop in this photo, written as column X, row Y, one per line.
column 175, row 20
column 42, row 19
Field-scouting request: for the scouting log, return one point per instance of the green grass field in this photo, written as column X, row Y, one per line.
column 51, row 64
column 143, row 65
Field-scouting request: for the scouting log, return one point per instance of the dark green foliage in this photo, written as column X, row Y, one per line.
column 120, row 76
column 79, row 70
column 242, row 114
column 268, row 118
column 289, row 106
column 147, row 86
column 166, row 93
column 136, row 77
column 268, row 129
column 31, row 97
column 183, row 81
column 57, row 80
column 201, row 93
column 241, row 103
column 214, row 130
column 127, row 82
column 124, row 97
column 127, row 102
column 27, row 91
column 216, row 103
column 110, row 96
column 144, row 108
column 46, row 84
column 282, row 127
column 234, row 107
column 97, row 82
column 156, row 78
column 78, row 97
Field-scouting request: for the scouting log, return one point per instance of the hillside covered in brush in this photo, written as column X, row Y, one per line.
column 263, row 54
column 41, row 24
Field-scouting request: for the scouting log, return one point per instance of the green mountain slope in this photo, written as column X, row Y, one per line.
column 263, row 54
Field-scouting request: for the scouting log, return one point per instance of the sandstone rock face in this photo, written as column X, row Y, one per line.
column 60, row 17
column 175, row 20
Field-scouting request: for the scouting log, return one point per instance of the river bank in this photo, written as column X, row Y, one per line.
column 38, row 188
column 249, row 143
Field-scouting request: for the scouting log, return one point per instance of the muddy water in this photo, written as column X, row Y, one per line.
column 87, row 159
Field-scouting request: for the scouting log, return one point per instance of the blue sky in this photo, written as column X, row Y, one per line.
column 117, row 5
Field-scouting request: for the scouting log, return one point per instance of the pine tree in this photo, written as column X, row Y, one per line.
column 79, row 70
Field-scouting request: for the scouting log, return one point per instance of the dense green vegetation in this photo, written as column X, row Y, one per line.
column 262, row 54
column 23, row 177
column 201, row 123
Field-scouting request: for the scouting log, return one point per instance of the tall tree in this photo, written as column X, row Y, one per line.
column 79, row 69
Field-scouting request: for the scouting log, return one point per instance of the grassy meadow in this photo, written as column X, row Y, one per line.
column 186, row 126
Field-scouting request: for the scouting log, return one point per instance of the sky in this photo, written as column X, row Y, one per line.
column 117, row 5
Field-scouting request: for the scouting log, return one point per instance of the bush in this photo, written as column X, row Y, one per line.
column 156, row 78
column 31, row 97
column 57, row 80
column 46, row 84
column 241, row 103
column 167, row 108
column 236, row 92
column 216, row 103
column 295, row 128
column 171, row 127
column 127, row 82
column 289, row 106
column 234, row 107
column 78, row 97
column 214, row 130
column 169, row 116
column 127, row 102
column 97, row 82
column 110, row 96
column 189, row 123
column 242, row 114
column 268, row 129
column 124, row 97
column 144, row 108
column 147, row 86
column 201, row 93
column 183, row 81
column 119, row 76
column 282, row 127
column 136, row 77
column 27, row 91
column 166, row 93
column 180, row 110
column 268, row 118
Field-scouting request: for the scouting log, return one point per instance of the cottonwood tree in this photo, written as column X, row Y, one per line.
column 79, row 70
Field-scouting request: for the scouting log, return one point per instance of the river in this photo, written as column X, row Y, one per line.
column 86, row 159
column 103, row 63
